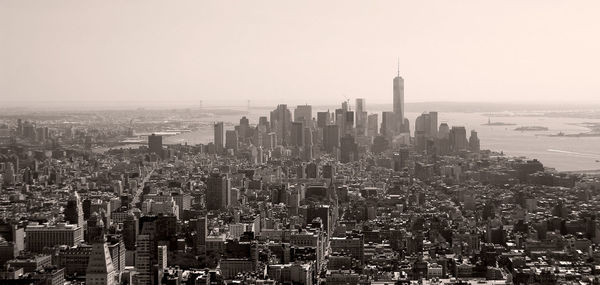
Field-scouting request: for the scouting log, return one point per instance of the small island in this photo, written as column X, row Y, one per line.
column 498, row 124
column 531, row 128
column 490, row 123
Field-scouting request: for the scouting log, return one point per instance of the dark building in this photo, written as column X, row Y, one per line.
column 525, row 168
column 331, row 138
column 380, row 144
column 13, row 233
column 130, row 231
column 312, row 170
column 155, row 145
column 387, row 124
column 348, row 149
column 160, row 229
column 400, row 159
column 200, row 226
column 349, row 122
column 280, row 194
column 325, row 213
column 316, row 192
column 74, row 211
column 281, row 119
column 474, row 145
column 323, row 119
column 458, row 139
column 244, row 129
column 263, row 121
column 95, row 229
column 231, row 140
column 217, row 192
column 297, row 135
column 308, row 144
column 86, row 205
column 219, row 132
column 328, row 171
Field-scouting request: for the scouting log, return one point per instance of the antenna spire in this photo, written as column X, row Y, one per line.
column 398, row 67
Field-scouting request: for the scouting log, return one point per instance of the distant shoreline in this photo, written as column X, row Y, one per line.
column 492, row 109
column 595, row 172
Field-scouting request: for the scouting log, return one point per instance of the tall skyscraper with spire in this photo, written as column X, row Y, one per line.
column 399, row 102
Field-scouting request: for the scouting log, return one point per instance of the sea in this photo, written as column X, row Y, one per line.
column 563, row 153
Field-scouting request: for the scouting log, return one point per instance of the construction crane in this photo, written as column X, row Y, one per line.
column 347, row 101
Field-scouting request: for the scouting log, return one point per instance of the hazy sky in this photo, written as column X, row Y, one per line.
column 227, row 52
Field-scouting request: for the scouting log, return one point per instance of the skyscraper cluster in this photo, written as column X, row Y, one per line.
column 344, row 133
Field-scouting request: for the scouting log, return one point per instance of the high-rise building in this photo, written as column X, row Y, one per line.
column 269, row 140
column 303, row 113
column 297, row 135
column 433, row 122
column 130, row 232
column 19, row 127
column 444, row 131
column 29, row 130
column 143, row 260
column 95, row 228
column 155, row 145
column 400, row 159
column 426, row 130
column 201, row 227
column 74, row 211
column 398, row 102
column 348, row 149
column 340, row 119
column 244, row 128
column 323, row 119
column 100, row 269
column 218, row 191
column 387, row 124
column 443, row 139
column 349, row 123
column 162, row 257
column 331, row 138
column 458, row 139
column 361, row 117
column 422, row 125
column 474, row 142
column 218, row 137
column 281, row 121
column 360, row 106
column 13, row 233
column 116, row 247
column 372, row 125
column 231, row 140
column 263, row 121
column 9, row 174
column 308, row 144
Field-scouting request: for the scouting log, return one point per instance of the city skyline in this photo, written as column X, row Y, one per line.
column 269, row 142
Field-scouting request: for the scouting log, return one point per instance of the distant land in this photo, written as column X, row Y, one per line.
column 531, row 128
column 498, row 124
column 550, row 109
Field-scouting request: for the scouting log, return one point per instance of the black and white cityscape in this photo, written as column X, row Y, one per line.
column 264, row 187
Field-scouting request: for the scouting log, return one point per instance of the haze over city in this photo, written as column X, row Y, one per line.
column 156, row 53
column 299, row 143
